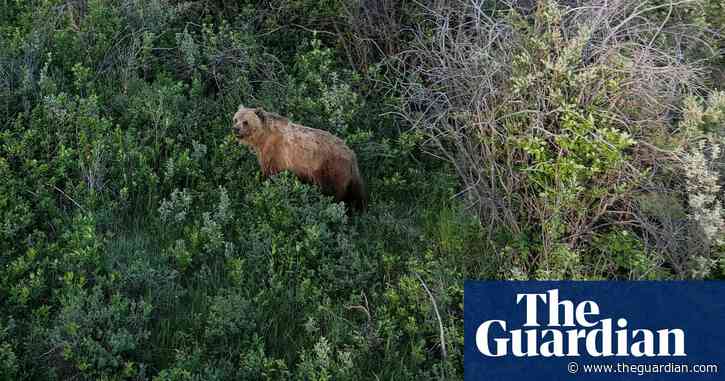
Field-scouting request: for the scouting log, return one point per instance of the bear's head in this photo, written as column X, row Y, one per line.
column 251, row 124
column 248, row 121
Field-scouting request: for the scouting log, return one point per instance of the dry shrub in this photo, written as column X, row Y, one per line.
column 373, row 29
column 557, row 117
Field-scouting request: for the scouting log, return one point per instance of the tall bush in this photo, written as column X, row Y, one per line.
column 555, row 119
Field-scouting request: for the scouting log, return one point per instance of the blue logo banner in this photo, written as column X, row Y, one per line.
column 572, row 330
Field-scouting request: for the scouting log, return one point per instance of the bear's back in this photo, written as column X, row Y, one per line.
column 313, row 142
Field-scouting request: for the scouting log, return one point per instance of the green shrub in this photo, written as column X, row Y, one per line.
column 96, row 335
column 8, row 358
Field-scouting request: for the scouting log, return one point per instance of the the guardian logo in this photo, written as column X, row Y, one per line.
column 572, row 330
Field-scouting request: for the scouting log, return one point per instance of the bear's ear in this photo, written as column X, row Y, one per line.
column 261, row 115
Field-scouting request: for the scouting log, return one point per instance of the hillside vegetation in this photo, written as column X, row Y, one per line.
column 498, row 139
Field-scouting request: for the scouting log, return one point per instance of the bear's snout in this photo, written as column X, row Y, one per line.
column 239, row 129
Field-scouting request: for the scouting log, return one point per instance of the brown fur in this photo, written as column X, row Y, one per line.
column 313, row 155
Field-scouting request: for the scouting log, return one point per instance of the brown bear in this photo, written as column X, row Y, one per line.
column 313, row 155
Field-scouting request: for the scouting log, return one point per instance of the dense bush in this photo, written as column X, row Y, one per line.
column 560, row 121
column 138, row 239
